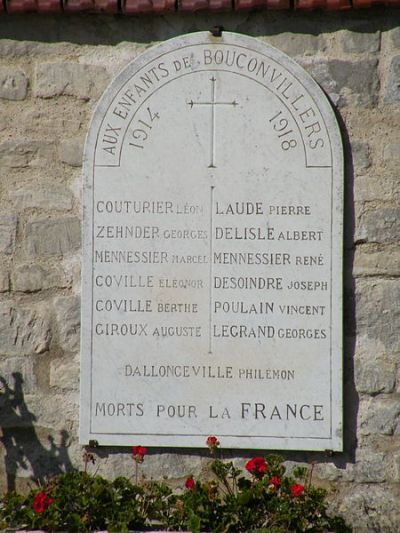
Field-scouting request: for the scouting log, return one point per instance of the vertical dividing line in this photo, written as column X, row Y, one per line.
column 210, row 295
column 213, row 121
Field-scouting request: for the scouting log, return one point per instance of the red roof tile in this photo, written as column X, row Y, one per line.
column 211, row 5
column 331, row 5
column 163, row 6
column 147, row 6
column 269, row 4
column 49, row 6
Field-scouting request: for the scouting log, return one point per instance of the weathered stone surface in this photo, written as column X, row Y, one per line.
column 15, row 48
column 378, row 311
column 174, row 466
column 391, row 153
column 14, row 368
column 370, row 508
column 346, row 82
column 360, row 41
column 379, row 416
column 47, row 409
column 22, row 153
column 379, row 226
column 64, row 373
column 377, row 188
column 113, row 58
column 71, row 151
column 4, row 279
column 361, row 155
column 52, row 237
column 31, row 277
column 395, row 37
column 394, row 468
column 72, row 268
column 297, row 44
column 374, row 375
column 8, row 231
column 70, row 79
column 13, row 84
column 377, row 260
column 67, row 310
column 55, row 197
column 370, row 467
column 392, row 90
column 24, row 330
column 330, row 472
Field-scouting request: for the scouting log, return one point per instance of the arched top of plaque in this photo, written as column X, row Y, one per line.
column 248, row 66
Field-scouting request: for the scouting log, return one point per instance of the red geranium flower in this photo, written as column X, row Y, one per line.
column 138, row 453
column 275, row 481
column 296, row 490
column 190, row 483
column 212, row 442
column 41, row 502
column 257, row 467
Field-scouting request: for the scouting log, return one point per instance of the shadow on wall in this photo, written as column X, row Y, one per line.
column 111, row 30
column 22, row 447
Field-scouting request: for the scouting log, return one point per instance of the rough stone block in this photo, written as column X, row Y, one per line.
column 12, row 369
column 157, row 466
column 370, row 467
column 374, row 375
column 392, row 90
column 395, row 37
column 4, row 279
column 64, row 373
column 24, row 330
column 68, row 316
column 377, row 188
column 50, row 197
column 52, row 237
column 13, row 84
column 377, row 260
column 70, row 79
column 346, row 82
column 379, row 416
column 361, row 155
column 391, row 153
column 71, row 152
column 72, row 268
column 47, row 409
column 34, row 277
column 394, row 469
column 15, row 154
column 379, row 226
column 378, row 312
column 370, row 508
column 297, row 44
column 330, row 472
column 22, row 153
column 358, row 42
column 8, row 232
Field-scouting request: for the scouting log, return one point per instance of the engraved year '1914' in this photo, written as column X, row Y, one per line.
column 285, row 134
column 143, row 128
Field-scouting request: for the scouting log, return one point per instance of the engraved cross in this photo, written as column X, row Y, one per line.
column 213, row 103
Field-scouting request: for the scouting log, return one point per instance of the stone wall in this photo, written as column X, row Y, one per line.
column 52, row 72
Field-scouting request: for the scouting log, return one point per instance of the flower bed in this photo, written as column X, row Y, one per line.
column 264, row 500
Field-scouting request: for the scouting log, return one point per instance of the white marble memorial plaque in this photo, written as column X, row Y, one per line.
column 212, row 272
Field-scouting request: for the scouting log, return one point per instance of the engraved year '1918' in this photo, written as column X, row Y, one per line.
column 281, row 125
column 143, row 127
